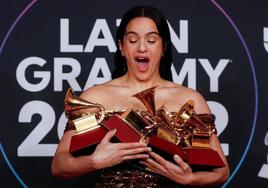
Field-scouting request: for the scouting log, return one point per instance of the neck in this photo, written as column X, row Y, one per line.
column 140, row 85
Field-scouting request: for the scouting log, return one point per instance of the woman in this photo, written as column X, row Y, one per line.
column 143, row 60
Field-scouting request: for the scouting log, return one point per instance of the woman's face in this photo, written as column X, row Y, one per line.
column 142, row 47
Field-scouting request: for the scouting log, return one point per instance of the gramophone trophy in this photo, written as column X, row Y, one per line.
column 187, row 135
column 189, row 138
column 89, row 132
column 134, row 126
column 184, row 134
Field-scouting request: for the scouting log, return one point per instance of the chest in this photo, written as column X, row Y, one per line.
column 127, row 101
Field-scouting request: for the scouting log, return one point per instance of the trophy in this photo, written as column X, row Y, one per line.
column 200, row 132
column 89, row 132
column 183, row 133
column 134, row 126
column 186, row 135
column 190, row 135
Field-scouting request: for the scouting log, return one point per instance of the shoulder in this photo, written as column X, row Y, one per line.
column 100, row 93
column 179, row 91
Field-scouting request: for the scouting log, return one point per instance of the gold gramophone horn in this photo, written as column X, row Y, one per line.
column 187, row 114
column 147, row 98
column 162, row 116
column 200, row 134
column 73, row 103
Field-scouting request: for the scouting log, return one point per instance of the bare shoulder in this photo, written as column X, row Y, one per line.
column 182, row 94
column 98, row 93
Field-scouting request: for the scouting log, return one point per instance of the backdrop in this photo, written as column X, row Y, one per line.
column 220, row 48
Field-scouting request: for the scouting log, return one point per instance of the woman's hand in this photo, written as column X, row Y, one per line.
column 180, row 172
column 109, row 154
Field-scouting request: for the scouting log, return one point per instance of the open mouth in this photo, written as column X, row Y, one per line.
column 142, row 63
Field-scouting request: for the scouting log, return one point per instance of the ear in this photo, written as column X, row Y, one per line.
column 120, row 47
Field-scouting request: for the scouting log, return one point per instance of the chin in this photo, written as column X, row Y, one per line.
column 144, row 78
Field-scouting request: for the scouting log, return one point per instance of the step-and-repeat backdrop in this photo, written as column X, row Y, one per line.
column 220, row 48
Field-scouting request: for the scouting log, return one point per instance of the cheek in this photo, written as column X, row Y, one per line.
column 126, row 49
column 158, row 52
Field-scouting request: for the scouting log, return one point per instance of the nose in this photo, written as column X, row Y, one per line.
column 142, row 46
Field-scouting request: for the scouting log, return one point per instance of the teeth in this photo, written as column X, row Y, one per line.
column 142, row 59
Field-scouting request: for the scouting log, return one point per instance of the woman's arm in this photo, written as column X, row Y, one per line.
column 182, row 173
column 105, row 155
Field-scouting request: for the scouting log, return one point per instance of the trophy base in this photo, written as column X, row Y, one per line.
column 124, row 133
column 197, row 158
column 85, row 143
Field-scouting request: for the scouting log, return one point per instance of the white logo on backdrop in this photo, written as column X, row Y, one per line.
column 265, row 38
column 264, row 169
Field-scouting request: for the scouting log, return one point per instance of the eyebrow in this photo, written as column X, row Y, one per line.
column 149, row 33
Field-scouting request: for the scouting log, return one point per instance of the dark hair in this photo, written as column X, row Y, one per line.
column 162, row 26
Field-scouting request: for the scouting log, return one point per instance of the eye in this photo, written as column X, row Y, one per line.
column 132, row 41
column 151, row 41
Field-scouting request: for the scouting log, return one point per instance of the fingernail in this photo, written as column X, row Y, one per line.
column 176, row 156
column 141, row 162
column 149, row 149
